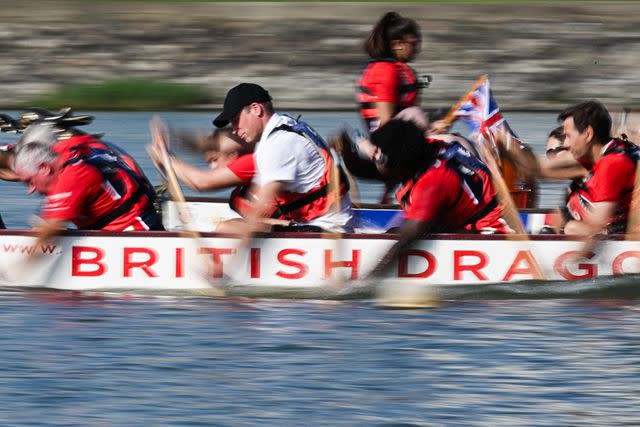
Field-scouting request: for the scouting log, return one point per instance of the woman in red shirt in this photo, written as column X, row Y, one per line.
column 388, row 84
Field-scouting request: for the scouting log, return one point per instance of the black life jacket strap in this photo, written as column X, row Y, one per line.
column 316, row 194
column 493, row 203
column 125, row 207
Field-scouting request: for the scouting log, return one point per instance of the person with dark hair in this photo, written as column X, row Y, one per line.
column 444, row 189
column 601, row 202
column 294, row 166
column 388, row 84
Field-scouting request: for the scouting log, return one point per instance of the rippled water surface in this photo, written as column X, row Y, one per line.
column 87, row 359
column 77, row 359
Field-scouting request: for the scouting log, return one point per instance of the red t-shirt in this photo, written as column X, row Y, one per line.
column 612, row 180
column 86, row 203
column 386, row 81
column 441, row 198
column 244, row 167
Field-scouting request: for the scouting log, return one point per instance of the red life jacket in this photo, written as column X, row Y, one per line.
column 303, row 207
column 115, row 170
column 580, row 199
column 84, row 145
column 242, row 201
column 475, row 177
column 366, row 95
column 298, row 207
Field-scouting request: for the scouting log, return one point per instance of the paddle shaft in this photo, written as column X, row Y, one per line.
column 451, row 115
column 177, row 195
column 510, row 212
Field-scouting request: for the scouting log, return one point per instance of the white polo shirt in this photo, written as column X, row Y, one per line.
column 297, row 163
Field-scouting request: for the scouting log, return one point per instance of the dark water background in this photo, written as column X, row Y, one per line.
column 85, row 359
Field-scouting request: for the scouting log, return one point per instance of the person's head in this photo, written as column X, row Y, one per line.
column 585, row 125
column 401, row 149
column 35, row 164
column 248, row 108
column 223, row 147
column 394, row 36
column 555, row 142
column 38, row 132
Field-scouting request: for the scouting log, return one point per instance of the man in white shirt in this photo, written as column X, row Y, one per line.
column 294, row 167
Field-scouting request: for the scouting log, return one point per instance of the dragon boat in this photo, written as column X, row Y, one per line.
column 174, row 262
column 315, row 263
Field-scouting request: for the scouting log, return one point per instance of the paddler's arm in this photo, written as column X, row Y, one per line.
column 410, row 231
column 594, row 222
column 196, row 178
column 8, row 175
column 204, row 179
column 47, row 231
column 265, row 199
column 562, row 166
column 6, row 166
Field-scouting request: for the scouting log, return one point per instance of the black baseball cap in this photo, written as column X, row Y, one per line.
column 239, row 97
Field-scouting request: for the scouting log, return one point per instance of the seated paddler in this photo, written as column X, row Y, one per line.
column 295, row 170
column 60, row 131
column 600, row 202
column 445, row 189
column 229, row 158
column 92, row 192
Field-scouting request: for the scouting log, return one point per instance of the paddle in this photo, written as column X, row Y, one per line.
column 502, row 191
column 334, row 189
column 338, row 144
column 158, row 134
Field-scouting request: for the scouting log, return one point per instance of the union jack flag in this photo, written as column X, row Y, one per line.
column 481, row 113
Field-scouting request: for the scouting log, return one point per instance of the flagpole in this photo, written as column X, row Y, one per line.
column 448, row 120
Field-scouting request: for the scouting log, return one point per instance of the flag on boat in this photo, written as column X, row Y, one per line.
column 481, row 113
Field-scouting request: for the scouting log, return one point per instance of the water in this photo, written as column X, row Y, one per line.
column 85, row 359
column 131, row 131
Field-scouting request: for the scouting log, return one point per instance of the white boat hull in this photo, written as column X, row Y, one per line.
column 167, row 261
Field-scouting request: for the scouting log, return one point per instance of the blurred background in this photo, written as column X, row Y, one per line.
column 539, row 56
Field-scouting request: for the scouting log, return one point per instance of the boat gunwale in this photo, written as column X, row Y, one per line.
column 326, row 236
column 362, row 206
